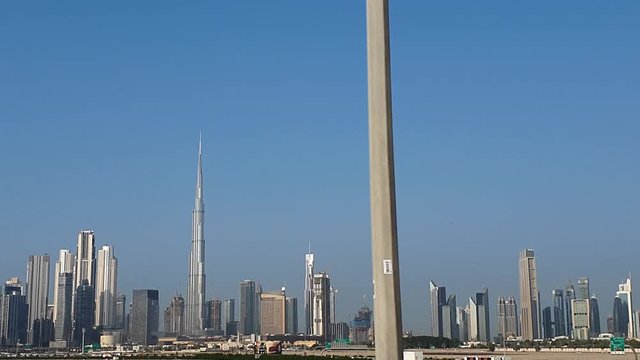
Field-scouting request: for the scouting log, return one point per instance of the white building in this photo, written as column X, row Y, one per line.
column 64, row 265
column 625, row 294
column 321, row 305
column 38, row 269
column 106, row 288
column 580, row 318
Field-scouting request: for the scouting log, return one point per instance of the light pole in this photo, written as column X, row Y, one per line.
column 83, row 331
column 384, row 239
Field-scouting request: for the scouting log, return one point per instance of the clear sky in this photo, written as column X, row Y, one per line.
column 516, row 125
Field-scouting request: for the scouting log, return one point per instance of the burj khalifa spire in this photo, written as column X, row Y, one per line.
column 194, row 324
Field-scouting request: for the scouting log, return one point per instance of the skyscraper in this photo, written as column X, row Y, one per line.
column 610, row 324
column 64, row 265
column 38, row 268
column 321, row 305
column 194, row 315
column 547, row 323
column 594, row 317
column 580, row 314
column 438, row 296
column 174, row 316
column 472, row 311
column 333, row 294
column 529, row 297
column 508, row 326
column 85, row 259
column 484, row 325
column 620, row 320
column 625, row 293
column 14, row 313
column 450, row 318
column 292, row 315
column 559, row 327
column 248, row 312
column 144, row 317
column 273, row 312
column 308, row 292
column 583, row 288
column 361, row 326
column 214, row 316
column 106, row 288
column 84, row 313
column 570, row 294
column 462, row 317
column 229, row 316
column 504, row 329
column 63, row 324
column 121, row 312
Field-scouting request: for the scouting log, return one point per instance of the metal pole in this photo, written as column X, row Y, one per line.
column 384, row 240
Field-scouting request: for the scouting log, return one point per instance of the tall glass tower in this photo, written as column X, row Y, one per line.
column 529, row 297
column 194, row 323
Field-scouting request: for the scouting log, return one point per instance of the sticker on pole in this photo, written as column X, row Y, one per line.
column 387, row 267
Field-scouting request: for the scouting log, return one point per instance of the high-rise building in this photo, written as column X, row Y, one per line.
column 580, row 315
column 508, row 326
column 273, row 312
column 594, row 317
column 64, row 265
column 214, row 316
column 529, row 297
column 333, row 294
column 38, row 268
column 229, row 310
column 84, row 313
column 14, row 313
column 292, row 315
column 85, row 259
column 194, row 307
column 484, row 326
column 321, row 305
column 625, row 293
column 231, row 324
column 462, row 317
column 106, row 288
column 438, row 295
column 610, row 324
column 620, row 320
column 63, row 302
column 308, row 292
column 570, row 294
column 174, row 316
column 559, row 326
column 361, row 326
column 583, row 288
column 449, row 318
column 144, row 317
column 547, row 323
column 472, row 311
column 121, row 312
column 248, row 311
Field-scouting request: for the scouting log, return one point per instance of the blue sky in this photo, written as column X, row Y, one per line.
column 516, row 125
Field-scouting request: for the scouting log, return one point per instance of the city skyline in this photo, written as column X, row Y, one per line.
column 505, row 140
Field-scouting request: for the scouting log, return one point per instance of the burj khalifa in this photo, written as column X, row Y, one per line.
column 194, row 316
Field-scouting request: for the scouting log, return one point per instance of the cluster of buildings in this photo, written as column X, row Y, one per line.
column 468, row 324
column 573, row 312
column 86, row 307
column 85, row 300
